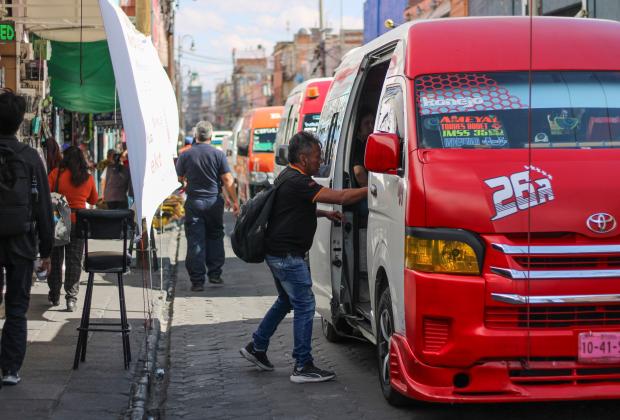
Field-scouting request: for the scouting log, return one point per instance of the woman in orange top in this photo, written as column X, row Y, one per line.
column 72, row 180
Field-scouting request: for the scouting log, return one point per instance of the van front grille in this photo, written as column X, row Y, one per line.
column 568, row 262
column 552, row 316
column 555, row 373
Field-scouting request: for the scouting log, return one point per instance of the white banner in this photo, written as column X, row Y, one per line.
column 149, row 109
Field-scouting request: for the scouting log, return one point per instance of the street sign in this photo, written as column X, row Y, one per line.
column 7, row 31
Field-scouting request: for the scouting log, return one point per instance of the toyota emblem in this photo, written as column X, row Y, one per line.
column 601, row 223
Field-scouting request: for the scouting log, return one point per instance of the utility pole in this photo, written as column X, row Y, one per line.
column 235, row 104
column 322, row 54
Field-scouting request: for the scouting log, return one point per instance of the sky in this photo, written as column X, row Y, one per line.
column 218, row 26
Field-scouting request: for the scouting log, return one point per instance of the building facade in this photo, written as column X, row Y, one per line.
column 301, row 59
column 193, row 103
column 251, row 80
column 376, row 12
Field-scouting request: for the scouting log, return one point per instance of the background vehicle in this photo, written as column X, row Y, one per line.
column 229, row 146
column 302, row 111
column 488, row 271
column 255, row 150
column 217, row 138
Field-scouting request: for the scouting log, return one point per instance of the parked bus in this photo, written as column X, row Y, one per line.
column 486, row 267
column 302, row 111
column 255, row 143
column 218, row 136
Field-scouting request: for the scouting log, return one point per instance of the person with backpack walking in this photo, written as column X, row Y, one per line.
column 205, row 170
column 72, row 180
column 290, row 231
column 25, row 229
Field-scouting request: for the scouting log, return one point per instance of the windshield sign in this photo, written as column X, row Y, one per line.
column 311, row 122
column 490, row 110
column 264, row 138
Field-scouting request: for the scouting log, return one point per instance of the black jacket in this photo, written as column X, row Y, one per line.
column 42, row 239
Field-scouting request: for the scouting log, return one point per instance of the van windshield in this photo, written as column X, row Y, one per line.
column 264, row 138
column 490, row 110
column 311, row 122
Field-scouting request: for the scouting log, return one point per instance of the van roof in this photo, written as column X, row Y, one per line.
column 265, row 117
column 501, row 44
column 303, row 85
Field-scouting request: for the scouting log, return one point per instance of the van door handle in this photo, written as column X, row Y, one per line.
column 373, row 190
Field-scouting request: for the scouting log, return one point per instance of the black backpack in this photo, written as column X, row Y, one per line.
column 17, row 192
column 248, row 236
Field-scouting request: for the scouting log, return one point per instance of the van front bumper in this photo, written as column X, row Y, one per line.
column 492, row 381
column 448, row 353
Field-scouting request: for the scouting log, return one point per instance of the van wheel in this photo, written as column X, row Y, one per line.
column 329, row 331
column 385, row 329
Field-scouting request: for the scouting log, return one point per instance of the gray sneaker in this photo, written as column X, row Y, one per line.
column 310, row 373
column 11, row 378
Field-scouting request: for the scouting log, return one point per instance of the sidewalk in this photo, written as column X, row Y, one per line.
column 100, row 388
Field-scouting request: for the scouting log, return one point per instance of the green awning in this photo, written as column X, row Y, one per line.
column 89, row 90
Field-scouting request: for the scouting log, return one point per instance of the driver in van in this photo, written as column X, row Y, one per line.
column 291, row 228
column 365, row 126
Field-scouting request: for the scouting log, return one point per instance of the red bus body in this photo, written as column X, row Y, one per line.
column 469, row 338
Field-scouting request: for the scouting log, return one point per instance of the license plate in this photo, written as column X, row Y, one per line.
column 599, row 347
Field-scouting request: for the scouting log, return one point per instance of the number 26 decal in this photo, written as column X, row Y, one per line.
column 517, row 192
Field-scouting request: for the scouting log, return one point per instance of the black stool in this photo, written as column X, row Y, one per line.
column 103, row 224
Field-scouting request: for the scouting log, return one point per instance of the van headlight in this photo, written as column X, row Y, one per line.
column 258, row 177
column 445, row 255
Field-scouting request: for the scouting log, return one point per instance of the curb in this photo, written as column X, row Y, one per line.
column 148, row 376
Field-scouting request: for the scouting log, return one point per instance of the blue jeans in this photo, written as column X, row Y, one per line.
column 204, row 230
column 292, row 278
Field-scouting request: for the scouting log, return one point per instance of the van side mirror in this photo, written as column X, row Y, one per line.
column 382, row 153
column 282, row 155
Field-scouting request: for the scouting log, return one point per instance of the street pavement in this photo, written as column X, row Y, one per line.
column 100, row 388
column 208, row 379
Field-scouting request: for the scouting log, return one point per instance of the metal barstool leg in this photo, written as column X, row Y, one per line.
column 88, row 300
column 83, row 333
column 124, row 326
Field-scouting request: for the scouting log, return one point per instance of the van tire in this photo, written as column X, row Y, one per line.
column 329, row 331
column 385, row 329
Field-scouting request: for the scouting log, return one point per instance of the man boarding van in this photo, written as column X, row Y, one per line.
column 302, row 111
column 255, row 157
column 486, row 265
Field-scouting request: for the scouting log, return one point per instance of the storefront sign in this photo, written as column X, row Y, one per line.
column 149, row 108
column 7, row 31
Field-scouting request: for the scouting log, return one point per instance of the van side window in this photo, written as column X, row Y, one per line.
column 328, row 147
column 284, row 125
column 391, row 113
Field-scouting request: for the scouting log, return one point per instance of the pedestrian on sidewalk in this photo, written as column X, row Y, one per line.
column 205, row 171
column 25, row 229
column 290, row 232
column 117, row 184
column 73, row 180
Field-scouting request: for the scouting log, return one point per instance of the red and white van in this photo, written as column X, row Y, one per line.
column 491, row 268
column 302, row 111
